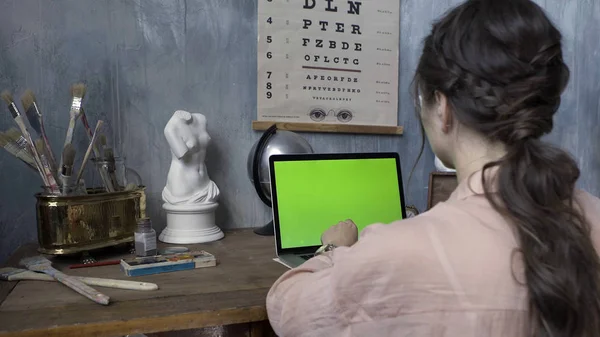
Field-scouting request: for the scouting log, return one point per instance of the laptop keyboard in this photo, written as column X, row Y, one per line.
column 306, row 257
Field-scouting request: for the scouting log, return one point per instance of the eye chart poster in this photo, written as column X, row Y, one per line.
column 328, row 61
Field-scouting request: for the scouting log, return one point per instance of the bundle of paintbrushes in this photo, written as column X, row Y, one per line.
column 38, row 155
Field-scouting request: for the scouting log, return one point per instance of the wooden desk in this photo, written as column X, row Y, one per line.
column 233, row 292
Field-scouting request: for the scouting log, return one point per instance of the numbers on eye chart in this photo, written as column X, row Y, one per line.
column 269, row 85
column 269, row 40
column 270, row 73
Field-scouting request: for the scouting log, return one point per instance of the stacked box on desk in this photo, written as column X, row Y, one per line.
column 167, row 263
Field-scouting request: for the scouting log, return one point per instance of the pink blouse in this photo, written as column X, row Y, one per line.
column 449, row 272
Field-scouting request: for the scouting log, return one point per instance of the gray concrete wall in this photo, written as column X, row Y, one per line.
column 144, row 59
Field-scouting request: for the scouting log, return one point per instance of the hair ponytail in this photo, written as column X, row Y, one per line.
column 535, row 185
column 512, row 98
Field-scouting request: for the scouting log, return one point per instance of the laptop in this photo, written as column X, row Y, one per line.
column 312, row 192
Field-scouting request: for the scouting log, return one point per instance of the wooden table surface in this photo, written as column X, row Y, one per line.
column 232, row 292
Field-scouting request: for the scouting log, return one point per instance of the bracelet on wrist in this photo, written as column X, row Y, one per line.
column 325, row 248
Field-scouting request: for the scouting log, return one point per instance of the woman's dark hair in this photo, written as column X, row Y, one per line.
column 500, row 65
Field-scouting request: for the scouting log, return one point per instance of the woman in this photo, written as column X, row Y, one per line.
column 513, row 251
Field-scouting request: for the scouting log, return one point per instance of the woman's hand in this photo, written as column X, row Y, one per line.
column 345, row 233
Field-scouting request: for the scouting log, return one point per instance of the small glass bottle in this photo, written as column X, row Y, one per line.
column 145, row 238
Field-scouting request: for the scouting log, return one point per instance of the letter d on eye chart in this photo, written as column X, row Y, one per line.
column 328, row 61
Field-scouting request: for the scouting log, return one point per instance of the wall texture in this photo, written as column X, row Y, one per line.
column 142, row 60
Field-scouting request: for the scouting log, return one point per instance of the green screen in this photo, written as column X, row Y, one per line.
column 313, row 195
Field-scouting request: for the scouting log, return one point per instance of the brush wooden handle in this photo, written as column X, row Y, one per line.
column 89, row 151
column 104, row 176
column 78, row 286
column 48, row 172
column 69, row 136
column 119, row 284
column 113, row 179
column 91, row 281
column 51, row 158
column 90, row 134
column 70, row 130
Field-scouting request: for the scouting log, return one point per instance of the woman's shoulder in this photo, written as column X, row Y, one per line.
column 590, row 207
column 411, row 234
column 454, row 224
column 456, row 212
column 587, row 198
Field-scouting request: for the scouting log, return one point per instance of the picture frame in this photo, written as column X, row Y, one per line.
column 441, row 186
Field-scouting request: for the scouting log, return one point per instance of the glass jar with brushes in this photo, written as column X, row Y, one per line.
column 118, row 176
column 67, row 188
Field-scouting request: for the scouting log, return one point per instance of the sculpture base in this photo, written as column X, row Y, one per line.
column 188, row 224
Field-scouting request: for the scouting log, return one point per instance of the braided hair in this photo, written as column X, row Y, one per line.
column 500, row 65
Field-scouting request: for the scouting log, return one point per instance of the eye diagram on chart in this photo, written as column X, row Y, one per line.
column 319, row 114
column 328, row 61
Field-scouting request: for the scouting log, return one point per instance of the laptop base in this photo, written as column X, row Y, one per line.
column 292, row 261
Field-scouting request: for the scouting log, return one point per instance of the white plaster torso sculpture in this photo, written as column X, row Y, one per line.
column 190, row 196
column 188, row 181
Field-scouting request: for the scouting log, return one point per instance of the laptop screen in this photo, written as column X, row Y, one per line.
column 312, row 195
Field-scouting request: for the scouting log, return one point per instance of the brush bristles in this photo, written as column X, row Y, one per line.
column 68, row 155
column 16, row 137
column 27, row 99
column 78, row 90
column 40, row 146
column 109, row 155
column 7, row 272
column 13, row 133
column 31, row 111
column 16, row 149
column 3, row 140
column 7, row 97
column 35, row 261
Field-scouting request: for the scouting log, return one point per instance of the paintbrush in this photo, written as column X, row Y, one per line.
column 102, row 141
column 42, row 264
column 88, row 131
column 109, row 182
column 12, row 107
column 97, row 154
column 109, row 157
column 89, row 151
column 86, row 124
column 77, row 92
column 17, row 274
column 104, row 172
column 16, row 137
column 68, row 158
column 19, row 143
column 41, row 149
column 111, row 168
column 16, row 151
column 34, row 116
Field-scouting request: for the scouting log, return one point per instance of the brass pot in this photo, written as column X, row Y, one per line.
column 79, row 223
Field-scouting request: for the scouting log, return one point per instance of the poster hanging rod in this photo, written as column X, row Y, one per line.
column 333, row 128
